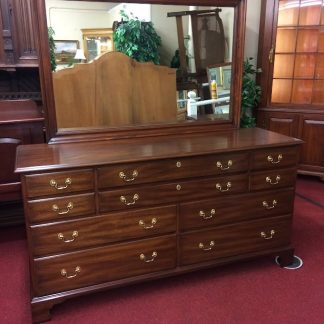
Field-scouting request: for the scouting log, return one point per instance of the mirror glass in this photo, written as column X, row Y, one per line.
column 96, row 86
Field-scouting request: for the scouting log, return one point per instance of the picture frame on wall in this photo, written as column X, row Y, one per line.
column 65, row 51
column 215, row 73
column 227, row 77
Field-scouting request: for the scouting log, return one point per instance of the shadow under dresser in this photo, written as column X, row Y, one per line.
column 105, row 214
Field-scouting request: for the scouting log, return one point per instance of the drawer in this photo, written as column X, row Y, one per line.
column 169, row 169
column 274, row 158
column 143, row 196
column 59, row 183
column 237, row 239
column 219, row 211
column 72, row 235
column 90, row 267
column 273, row 179
column 59, row 208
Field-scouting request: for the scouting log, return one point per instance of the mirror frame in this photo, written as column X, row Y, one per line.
column 54, row 135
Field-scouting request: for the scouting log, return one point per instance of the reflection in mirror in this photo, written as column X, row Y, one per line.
column 95, row 86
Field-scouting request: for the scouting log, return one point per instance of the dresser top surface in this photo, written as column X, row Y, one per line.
column 42, row 157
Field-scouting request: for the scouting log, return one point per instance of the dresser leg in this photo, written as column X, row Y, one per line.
column 286, row 258
column 41, row 312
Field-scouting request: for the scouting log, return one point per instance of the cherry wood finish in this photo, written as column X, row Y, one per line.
column 275, row 179
column 170, row 169
column 290, row 55
column 71, row 181
column 44, row 209
column 92, row 231
column 122, row 260
column 283, row 123
column 221, row 211
column 126, row 239
column 234, row 239
column 171, row 192
column 20, row 123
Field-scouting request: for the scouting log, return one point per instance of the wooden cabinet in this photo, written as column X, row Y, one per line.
column 101, row 215
column 20, row 123
column 18, row 33
column 291, row 55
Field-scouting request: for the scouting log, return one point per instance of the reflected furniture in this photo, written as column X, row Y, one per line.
column 114, row 90
column 110, row 206
column 291, row 55
column 97, row 42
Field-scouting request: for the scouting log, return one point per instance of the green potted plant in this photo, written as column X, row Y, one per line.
column 251, row 94
column 137, row 39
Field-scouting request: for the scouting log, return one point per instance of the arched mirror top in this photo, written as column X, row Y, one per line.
column 110, row 69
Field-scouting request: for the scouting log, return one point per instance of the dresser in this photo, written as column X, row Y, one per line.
column 104, row 214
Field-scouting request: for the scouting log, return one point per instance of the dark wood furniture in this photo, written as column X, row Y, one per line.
column 19, row 75
column 107, row 207
column 20, row 123
column 18, row 48
column 104, row 214
column 291, row 55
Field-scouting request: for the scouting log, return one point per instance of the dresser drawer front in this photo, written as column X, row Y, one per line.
column 59, row 208
column 274, row 158
column 153, row 171
column 219, row 211
column 59, row 183
column 235, row 239
column 168, row 193
column 73, row 235
column 80, row 269
column 273, row 179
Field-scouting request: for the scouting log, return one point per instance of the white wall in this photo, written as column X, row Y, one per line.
column 252, row 29
column 67, row 18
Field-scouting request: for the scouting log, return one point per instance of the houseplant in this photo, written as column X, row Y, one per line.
column 251, row 94
column 137, row 39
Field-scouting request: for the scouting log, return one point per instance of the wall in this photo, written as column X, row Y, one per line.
column 68, row 18
column 252, row 29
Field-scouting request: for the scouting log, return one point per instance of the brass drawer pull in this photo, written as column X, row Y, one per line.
column 269, row 180
column 77, row 271
column 123, row 199
column 75, row 234
column 219, row 187
column 123, row 176
column 266, row 205
column 178, row 164
column 204, row 216
column 202, row 246
column 271, row 159
column 143, row 257
column 142, row 223
column 67, row 182
column 178, row 187
column 266, row 237
column 220, row 165
column 56, row 208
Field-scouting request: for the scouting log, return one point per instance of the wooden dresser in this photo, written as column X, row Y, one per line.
column 104, row 214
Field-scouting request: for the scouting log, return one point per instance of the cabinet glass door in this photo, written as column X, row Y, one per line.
column 298, row 76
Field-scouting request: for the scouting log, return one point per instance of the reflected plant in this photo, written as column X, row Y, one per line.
column 52, row 47
column 251, row 94
column 137, row 39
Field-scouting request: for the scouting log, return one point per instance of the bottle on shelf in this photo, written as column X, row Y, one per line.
column 213, row 88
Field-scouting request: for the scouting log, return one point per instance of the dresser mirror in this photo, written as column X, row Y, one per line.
column 101, row 92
